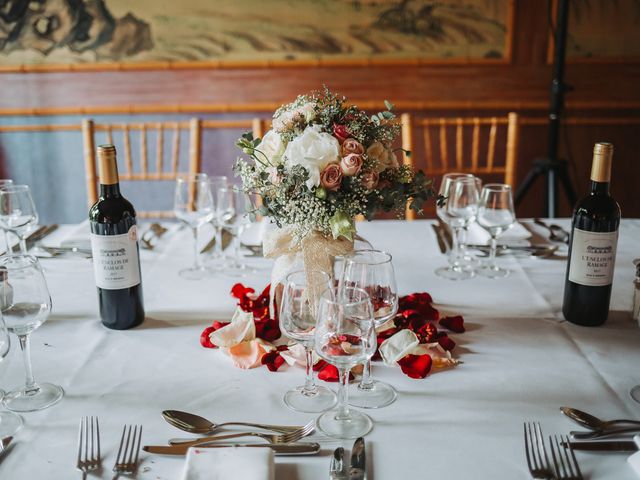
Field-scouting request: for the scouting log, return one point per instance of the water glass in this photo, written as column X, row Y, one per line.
column 298, row 312
column 18, row 212
column 233, row 211
column 193, row 205
column 4, row 182
column 372, row 271
column 496, row 215
column 216, row 258
column 10, row 423
column 25, row 304
column 345, row 336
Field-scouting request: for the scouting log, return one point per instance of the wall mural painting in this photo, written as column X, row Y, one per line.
column 54, row 32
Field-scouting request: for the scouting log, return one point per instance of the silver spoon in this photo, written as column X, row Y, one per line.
column 614, row 432
column 196, row 424
column 593, row 423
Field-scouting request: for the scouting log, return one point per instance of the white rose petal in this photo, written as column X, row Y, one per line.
column 397, row 346
column 272, row 147
column 314, row 150
column 241, row 329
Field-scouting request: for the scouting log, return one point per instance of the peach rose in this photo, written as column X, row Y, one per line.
column 351, row 164
column 370, row 180
column 331, row 177
column 351, row 145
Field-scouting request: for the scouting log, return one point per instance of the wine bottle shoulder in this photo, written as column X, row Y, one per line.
column 597, row 213
column 112, row 210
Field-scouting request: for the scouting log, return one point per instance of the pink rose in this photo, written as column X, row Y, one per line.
column 331, row 177
column 369, row 179
column 351, row 164
column 341, row 132
column 351, row 145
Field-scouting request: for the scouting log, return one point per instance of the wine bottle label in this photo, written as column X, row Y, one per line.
column 115, row 260
column 592, row 257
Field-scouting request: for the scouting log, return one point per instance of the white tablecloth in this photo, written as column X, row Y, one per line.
column 521, row 362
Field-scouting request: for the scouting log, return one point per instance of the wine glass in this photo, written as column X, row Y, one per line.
column 25, row 305
column 17, row 212
column 216, row 259
column 193, row 206
column 462, row 209
column 345, row 336
column 635, row 393
column 460, row 263
column 233, row 208
column 372, row 271
column 10, row 423
column 3, row 183
column 496, row 215
column 298, row 322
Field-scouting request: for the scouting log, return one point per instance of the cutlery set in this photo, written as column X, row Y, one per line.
column 563, row 448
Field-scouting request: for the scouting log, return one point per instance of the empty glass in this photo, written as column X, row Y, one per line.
column 193, row 205
column 298, row 322
column 25, row 303
column 10, row 423
column 495, row 214
column 3, row 183
column 372, row 271
column 345, row 336
column 18, row 212
column 216, row 259
column 233, row 208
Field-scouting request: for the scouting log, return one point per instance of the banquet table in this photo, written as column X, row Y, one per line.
column 521, row 361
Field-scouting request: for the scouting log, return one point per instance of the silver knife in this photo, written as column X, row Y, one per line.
column 4, row 443
column 358, row 469
column 298, row 448
column 441, row 242
column 336, row 469
column 605, row 446
column 39, row 233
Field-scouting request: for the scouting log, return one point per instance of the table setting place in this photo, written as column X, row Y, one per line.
column 283, row 336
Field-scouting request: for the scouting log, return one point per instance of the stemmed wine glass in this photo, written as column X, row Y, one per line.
column 462, row 209
column 4, row 182
column 496, row 215
column 460, row 265
column 193, row 205
column 10, row 423
column 17, row 212
column 233, row 208
column 216, row 259
column 372, row 271
column 25, row 303
column 345, row 336
column 298, row 322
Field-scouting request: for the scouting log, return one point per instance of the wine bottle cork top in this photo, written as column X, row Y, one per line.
column 601, row 166
column 107, row 166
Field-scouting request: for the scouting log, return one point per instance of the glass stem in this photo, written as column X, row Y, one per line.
column 30, row 383
column 343, row 395
column 196, row 256
column 23, row 245
column 236, row 249
column 7, row 243
column 366, row 383
column 217, row 250
column 309, row 384
column 492, row 252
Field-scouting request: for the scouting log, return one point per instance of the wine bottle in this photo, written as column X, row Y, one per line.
column 592, row 247
column 114, row 244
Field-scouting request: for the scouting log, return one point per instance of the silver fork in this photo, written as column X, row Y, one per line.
column 127, row 459
column 288, row 437
column 565, row 463
column 88, row 445
column 537, row 459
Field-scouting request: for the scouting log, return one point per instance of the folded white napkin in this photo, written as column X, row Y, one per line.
column 634, row 460
column 242, row 463
column 517, row 234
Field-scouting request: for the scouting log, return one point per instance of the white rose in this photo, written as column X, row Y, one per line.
column 314, row 150
column 272, row 147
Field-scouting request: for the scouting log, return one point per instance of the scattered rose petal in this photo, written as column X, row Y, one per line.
column 205, row 341
column 397, row 346
column 295, row 355
column 329, row 373
column 273, row 360
column 445, row 342
column 241, row 329
column 246, row 354
column 455, row 324
column 416, row 366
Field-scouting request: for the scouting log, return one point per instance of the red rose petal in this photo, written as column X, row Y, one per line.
column 273, row 361
column 240, row 291
column 205, row 341
column 455, row 324
column 427, row 333
column 329, row 373
column 416, row 366
column 319, row 365
column 446, row 343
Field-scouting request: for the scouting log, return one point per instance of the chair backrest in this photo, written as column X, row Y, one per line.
column 483, row 146
column 140, row 134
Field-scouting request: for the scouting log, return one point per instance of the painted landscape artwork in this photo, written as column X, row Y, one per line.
column 52, row 32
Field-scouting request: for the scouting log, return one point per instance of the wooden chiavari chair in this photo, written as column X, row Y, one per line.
column 483, row 146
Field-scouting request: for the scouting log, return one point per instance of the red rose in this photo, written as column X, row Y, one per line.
column 341, row 132
column 331, row 177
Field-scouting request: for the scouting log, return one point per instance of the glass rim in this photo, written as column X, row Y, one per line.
column 496, row 187
column 350, row 256
column 304, row 272
column 190, row 177
column 14, row 188
column 335, row 294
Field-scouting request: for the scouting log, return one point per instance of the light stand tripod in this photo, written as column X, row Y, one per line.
column 551, row 167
